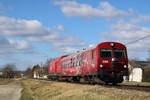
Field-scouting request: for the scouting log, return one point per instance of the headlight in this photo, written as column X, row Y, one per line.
column 125, row 66
column 113, row 59
column 112, row 44
column 101, row 66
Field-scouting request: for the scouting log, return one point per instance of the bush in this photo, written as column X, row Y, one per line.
column 26, row 92
column 146, row 74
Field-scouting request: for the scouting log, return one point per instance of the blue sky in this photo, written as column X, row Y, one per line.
column 33, row 30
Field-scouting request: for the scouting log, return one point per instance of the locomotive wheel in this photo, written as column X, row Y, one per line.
column 93, row 80
column 106, row 83
column 114, row 83
column 82, row 81
column 76, row 79
column 71, row 79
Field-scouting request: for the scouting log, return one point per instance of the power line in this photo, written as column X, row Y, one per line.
column 138, row 40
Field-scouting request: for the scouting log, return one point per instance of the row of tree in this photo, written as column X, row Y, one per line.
column 42, row 70
column 10, row 71
column 146, row 74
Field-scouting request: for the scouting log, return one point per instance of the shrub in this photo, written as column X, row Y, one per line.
column 146, row 74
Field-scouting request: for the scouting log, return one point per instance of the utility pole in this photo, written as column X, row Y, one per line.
column 148, row 59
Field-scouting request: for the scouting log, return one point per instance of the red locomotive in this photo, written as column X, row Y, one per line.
column 107, row 62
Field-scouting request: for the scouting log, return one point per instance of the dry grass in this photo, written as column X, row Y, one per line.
column 136, row 83
column 4, row 81
column 68, row 91
column 26, row 93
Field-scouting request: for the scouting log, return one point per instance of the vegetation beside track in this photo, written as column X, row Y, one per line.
column 5, row 81
column 26, row 91
column 136, row 83
column 40, row 90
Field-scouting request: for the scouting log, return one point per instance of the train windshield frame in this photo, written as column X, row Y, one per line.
column 105, row 53
column 118, row 53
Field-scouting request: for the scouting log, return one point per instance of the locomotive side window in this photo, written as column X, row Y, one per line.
column 106, row 53
column 62, row 65
column 92, row 54
column 119, row 53
column 74, row 62
column 70, row 63
column 78, row 63
column 81, row 60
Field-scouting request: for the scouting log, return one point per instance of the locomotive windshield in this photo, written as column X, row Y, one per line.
column 106, row 53
column 119, row 53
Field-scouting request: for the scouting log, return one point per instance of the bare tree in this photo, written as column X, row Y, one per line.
column 133, row 64
column 28, row 72
column 148, row 59
column 46, row 65
column 146, row 77
column 9, row 70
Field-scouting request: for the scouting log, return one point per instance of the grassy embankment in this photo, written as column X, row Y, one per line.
column 26, row 91
column 37, row 90
column 136, row 83
column 4, row 81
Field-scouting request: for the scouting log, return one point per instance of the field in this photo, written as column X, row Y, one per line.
column 5, row 81
column 43, row 90
column 10, row 89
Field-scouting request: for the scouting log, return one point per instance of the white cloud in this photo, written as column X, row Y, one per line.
column 68, row 50
column 127, row 32
column 19, row 44
column 105, row 10
column 21, row 27
column 9, row 46
column 68, row 41
column 34, row 31
column 40, row 55
column 60, row 28
column 4, row 43
column 140, row 19
column 58, row 40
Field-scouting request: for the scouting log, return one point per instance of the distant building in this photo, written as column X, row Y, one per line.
column 38, row 72
column 136, row 70
column 1, row 73
column 136, row 75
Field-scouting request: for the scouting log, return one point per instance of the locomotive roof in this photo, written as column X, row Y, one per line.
column 110, row 42
column 87, row 49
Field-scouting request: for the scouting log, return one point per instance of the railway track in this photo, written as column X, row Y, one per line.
column 130, row 87
column 118, row 86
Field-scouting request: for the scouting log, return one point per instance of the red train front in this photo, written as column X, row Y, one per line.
column 107, row 62
column 113, row 62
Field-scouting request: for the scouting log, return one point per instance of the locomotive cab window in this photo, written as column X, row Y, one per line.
column 119, row 53
column 106, row 53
